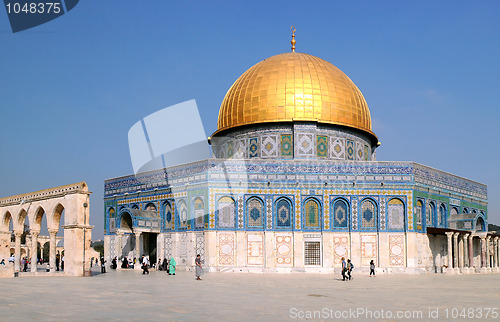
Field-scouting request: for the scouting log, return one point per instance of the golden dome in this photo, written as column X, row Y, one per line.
column 294, row 87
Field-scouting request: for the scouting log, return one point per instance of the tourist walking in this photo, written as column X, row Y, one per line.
column 172, row 265
column 372, row 268
column 145, row 265
column 199, row 269
column 344, row 269
column 350, row 266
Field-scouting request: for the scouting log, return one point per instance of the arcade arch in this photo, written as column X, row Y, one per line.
column 63, row 209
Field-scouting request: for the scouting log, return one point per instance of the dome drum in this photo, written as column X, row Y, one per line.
column 293, row 140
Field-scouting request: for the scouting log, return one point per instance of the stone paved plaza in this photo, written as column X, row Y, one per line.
column 128, row 295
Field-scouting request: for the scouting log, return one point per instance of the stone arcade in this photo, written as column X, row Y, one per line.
column 72, row 201
column 294, row 185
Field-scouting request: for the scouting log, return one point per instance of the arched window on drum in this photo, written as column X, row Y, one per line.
column 283, row 213
column 168, row 215
column 418, row 213
column 368, row 214
column 226, row 212
column 183, row 214
column 255, row 209
column 429, row 214
column 312, row 214
column 112, row 218
column 199, row 213
column 441, row 222
column 340, row 213
column 396, row 214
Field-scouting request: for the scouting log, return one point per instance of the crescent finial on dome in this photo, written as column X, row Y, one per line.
column 293, row 42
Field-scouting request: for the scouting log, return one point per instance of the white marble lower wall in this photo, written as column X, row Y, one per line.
column 246, row 251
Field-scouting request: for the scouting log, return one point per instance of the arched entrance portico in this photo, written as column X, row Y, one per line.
column 70, row 202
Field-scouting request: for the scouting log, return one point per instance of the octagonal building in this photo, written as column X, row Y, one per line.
column 294, row 185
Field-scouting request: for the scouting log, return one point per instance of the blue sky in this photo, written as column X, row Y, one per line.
column 71, row 89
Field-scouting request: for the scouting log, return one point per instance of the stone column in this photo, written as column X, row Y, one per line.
column 465, row 250
column 17, row 252
column 137, row 251
column 495, row 253
column 34, row 250
column 498, row 252
column 449, row 270
column 487, row 251
column 483, row 253
column 471, row 251
column 52, row 249
column 460, row 252
column 455, row 253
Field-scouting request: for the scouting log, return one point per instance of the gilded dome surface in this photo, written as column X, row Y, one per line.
column 294, row 87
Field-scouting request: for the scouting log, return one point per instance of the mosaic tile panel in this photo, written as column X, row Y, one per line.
column 240, row 149
column 255, row 249
column 395, row 214
column 366, row 153
column 284, row 250
column 382, row 213
column 337, row 148
column 183, row 214
column 240, row 212
column 368, row 249
column 410, row 209
column 286, row 145
column 340, row 248
column 255, row 213
column 199, row 212
column 200, row 246
column 359, row 151
column 354, row 212
column 230, row 149
column 226, row 249
column 396, row 250
column 269, row 212
column 340, row 214
column 284, row 213
column 321, row 146
column 298, row 222
column 350, row 150
column 326, row 212
column 305, row 147
column 226, row 212
column 212, row 209
column 167, row 249
column 253, row 148
column 368, row 214
column 182, row 249
column 112, row 251
column 269, row 146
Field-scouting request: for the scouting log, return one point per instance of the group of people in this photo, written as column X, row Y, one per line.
column 167, row 265
column 348, row 266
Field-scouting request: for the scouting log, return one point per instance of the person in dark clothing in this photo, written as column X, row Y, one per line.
column 165, row 264
column 372, row 268
column 103, row 267
column 350, row 266
column 125, row 263
column 145, row 265
column 58, row 259
column 113, row 263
